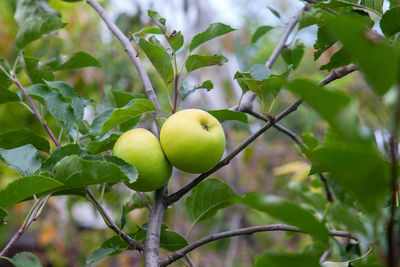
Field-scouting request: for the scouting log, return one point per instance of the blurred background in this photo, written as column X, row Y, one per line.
column 70, row 229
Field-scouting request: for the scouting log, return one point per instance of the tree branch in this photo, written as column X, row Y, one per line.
column 247, row 107
column 338, row 73
column 130, row 51
column 152, row 243
column 277, row 126
column 132, row 243
column 177, row 195
column 282, row 42
column 36, row 112
column 32, row 216
column 243, row 231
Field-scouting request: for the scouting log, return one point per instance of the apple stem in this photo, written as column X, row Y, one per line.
column 176, row 92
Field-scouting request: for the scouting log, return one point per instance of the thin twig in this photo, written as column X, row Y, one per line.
column 176, row 92
column 31, row 217
column 243, row 231
column 143, row 197
column 277, row 126
column 133, row 244
column 324, row 256
column 247, row 107
column 282, row 42
column 338, row 73
column 35, row 111
column 177, row 195
column 393, row 147
column 328, row 191
column 188, row 260
column 130, row 51
column 324, row 8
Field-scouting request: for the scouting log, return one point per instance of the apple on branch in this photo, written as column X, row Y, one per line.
column 193, row 140
column 142, row 149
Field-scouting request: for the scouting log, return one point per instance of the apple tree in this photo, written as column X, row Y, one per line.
column 343, row 210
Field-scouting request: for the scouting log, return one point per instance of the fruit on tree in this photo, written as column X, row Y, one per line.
column 193, row 140
column 142, row 149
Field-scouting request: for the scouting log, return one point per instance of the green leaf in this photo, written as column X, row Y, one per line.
column 370, row 55
column 61, row 152
column 79, row 60
column 207, row 198
column 260, row 32
column 137, row 202
column 36, row 71
column 347, row 217
column 123, row 98
column 275, row 12
column 27, row 9
column 310, row 141
column 113, row 117
column 185, row 90
column 160, row 59
column 158, row 20
column 155, row 41
column 287, row 259
column 226, row 114
column 55, row 102
column 5, row 83
column 262, row 88
column 7, row 96
column 390, row 23
column 100, row 254
column 116, row 241
column 325, row 39
column 371, row 5
column 24, row 259
column 26, row 187
column 35, row 28
column 313, row 16
column 149, row 30
column 105, row 143
column 74, row 171
column 172, row 241
column 340, row 58
column 175, row 40
column 127, row 168
column 123, row 218
column 287, row 212
column 3, row 215
column 169, row 240
column 208, row 85
column 293, row 55
column 67, row 91
column 329, row 104
column 259, row 72
column 214, row 30
column 24, row 159
column 369, row 184
column 21, row 137
column 199, row 61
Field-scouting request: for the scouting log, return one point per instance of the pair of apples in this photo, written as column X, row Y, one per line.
column 192, row 140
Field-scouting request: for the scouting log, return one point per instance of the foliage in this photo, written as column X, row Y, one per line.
column 342, row 177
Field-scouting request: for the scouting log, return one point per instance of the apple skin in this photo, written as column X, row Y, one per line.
column 193, row 140
column 142, row 149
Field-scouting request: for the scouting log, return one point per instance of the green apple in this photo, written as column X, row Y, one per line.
column 193, row 140
column 142, row 149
